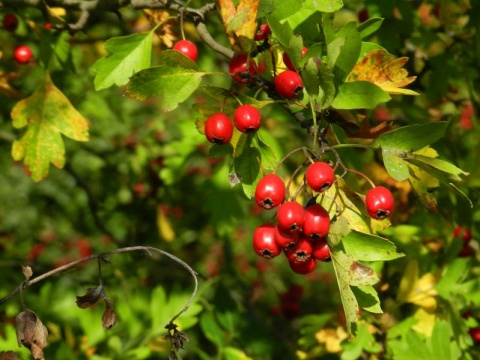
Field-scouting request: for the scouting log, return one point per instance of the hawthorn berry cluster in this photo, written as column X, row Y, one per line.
column 22, row 53
column 300, row 232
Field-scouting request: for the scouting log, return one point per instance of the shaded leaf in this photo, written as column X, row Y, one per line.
column 327, row 89
column 109, row 318
column 31, row 333
column 369, row 27
column 47, row 114
column 127, row 55
column 367, row 298
column 386, row 71
column 359, row 95
column 344, row 51
column 417, row 290
column 92, row 296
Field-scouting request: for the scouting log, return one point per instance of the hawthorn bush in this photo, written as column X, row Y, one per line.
column 239, row 180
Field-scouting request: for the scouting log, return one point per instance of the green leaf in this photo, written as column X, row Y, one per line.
column 285, row 8
column 359, row 95
column 441, row 169
column 369, row 27
column 367, row 298
column 343, row 52
column 267, row 155
column 439, row 342
column 231, row 353
column 338, row 230
column 127, row 55
column 368, row 247
column 452, row 278
column 364, row 341
column 312, row 79
column 412, row 137
column 46, row 114
column 351, row 270
column 326, row 6
column 246, row 164
column 173, row 82
column 212, row 330
column 327, row 90
column 394, row 163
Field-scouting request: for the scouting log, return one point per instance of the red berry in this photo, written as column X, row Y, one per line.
column 263, row 32
column 288, row 63
column 319, row 176
column 301, row 251
column 465, row 233
column 23, row 54
column 10, row 22
column 290, row 216
column 239, row 70
column 48, row 26
column 303, row 268
column 270, row 191
column 264, row 241
column 285, row 239
column 187, row 48
column 379, row 203
column 288, row 84
column 475, row 334
column 247, row 119
column 316, row 222
column 219, row 128
column 320, row 250
column 466, row 251
column 363, row 15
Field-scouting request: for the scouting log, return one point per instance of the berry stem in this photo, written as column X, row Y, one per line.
column 181, row 24
column 342, row 146
column 362, row 175
column 303, row 148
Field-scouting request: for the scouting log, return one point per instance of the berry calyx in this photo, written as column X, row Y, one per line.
column 288, row 84
column 247, row 119
column 290, row 216
column 10, row 22
column 270, row 191
column 303, row 268
column 219, row 128
column 301, row 251
column 379, row 203
column 316, row 223
column 288, row 63
column 239, row 69
column 187, row 48
column 263, row 32
column 23, row 54
column 320, row 250
column 319, row 176
column 264, row 241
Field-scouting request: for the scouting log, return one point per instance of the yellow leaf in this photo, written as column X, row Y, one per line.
column 165, row 31
column 332, row 338
column 426, row 322
column 239, row 22
column 384, row 70
column 165, row 229
column 418, row 291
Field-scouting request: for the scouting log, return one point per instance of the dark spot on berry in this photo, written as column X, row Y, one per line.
column 267, row 254
column 268, row 203
column 325, row 186
column 302, row 256
column 382, row 214
column 298, row 90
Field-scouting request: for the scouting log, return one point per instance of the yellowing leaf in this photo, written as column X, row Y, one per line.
column 384, row 70
column 5, row 88
column 418, row 291
column 165, row 31
column 332, row 338
column 165, row 229
column 425, row 323
column 46, row 114
column 239, row 22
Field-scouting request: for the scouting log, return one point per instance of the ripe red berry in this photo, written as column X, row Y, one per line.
column 239, row 70
column 288, row 84
column 264, row 241
column 363, row 15
column 219, row 129
column 48, row 26
column 319, row 176
column 263, row 32
column 10, row 22
column 321, row 250
column 465, row 233
column 290, row 216
column 316, row 222
column 270, row 191
column 303, row 268
column 23, row 54
column 301, row 251
column 379, row 202
column 187, row 48
column 285, row 239
column 475, row 334
column 288, row 63
column 247, row 119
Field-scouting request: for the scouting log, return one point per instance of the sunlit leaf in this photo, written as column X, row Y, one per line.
column 127, row 55
column 326, row 6
column 343, row 51
column 385, row 70
column 46, row 114
column 359, row 95
column 417, row 290
column 367, row 298
column 368, row 247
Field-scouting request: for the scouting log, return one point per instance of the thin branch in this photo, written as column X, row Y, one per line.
column 148, row 249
